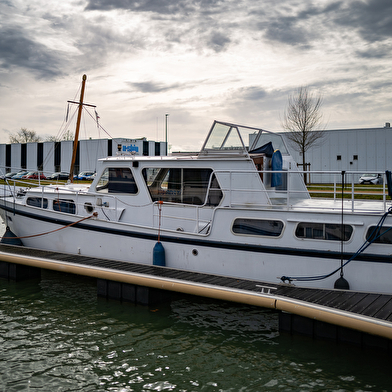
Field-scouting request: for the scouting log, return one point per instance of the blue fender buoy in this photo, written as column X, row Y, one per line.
column 9, row 238
column 158, row 255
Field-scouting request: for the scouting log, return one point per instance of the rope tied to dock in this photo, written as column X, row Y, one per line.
column 94, row 215
column 375, row 235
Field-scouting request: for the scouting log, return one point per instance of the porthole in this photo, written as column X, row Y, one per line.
column 88, row 207
column 67, row 206
column 37, row 202
column 258, row 227
column 323, row 231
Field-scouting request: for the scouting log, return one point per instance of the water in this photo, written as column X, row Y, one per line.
column 56, row 335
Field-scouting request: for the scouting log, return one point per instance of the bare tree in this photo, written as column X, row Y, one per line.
column 24, row 136
column 301, row 118
column 51, row 138
column 67, row 135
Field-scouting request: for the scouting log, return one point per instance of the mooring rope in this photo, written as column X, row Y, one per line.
column 375, row 234
column 60, row 228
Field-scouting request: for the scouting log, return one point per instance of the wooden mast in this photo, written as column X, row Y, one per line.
column 75, row 145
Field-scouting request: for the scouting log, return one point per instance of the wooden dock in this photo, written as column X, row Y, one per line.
column 356, row 317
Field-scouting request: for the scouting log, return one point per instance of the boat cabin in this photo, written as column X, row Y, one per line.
column 226, row 173
column 225, row 169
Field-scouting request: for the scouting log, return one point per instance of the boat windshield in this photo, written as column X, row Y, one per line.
column 233, row 139
column 226, row 138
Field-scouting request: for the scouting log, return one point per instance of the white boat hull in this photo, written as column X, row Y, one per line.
column 248, row 258
column 231, row 210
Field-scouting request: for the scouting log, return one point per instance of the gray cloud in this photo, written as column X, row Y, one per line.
column 18, row 50
column 218, row 41
column 252, row 93
column 381, row 51
column 285, row 30
column 152, row 87
column 295, row 24
column 159, row 7
column 303, row 25
column 202, row 25
column 96, row 40
column 195, row 23
column 372, row 19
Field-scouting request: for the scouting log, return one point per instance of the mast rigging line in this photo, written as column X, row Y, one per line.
column 70, row 117
column 60, row 132
column 99, row 125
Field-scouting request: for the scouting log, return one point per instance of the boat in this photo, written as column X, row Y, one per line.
column 234, row 209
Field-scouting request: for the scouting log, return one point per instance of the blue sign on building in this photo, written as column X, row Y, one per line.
column 130, row 148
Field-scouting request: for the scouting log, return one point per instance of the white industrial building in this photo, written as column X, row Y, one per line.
column 359, row 150
column 352, row 150
column 50, row 157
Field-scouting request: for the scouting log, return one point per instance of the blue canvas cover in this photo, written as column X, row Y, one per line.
column 266, row 149
column 276, row 164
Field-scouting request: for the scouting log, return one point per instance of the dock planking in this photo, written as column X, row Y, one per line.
column 371, row 305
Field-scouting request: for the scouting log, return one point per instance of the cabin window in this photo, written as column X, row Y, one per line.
column 117, row 180
column 186, row 186
column 323, row 231
column 384, row 235
column 37, row 202
column 64, row 205
column 259, row 227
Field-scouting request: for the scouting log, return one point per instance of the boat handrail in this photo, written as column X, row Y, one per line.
column 286, row 197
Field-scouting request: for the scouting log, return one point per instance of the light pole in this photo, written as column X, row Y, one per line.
column 166, row 115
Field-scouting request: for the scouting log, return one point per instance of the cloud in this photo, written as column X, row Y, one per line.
column 110, row 29
column 18, row 50
column 304, row 25
column 215, row 59
column 372, row 19
column 251, row 93
column 95, row 38
column 218, row 41
column 285, row 30
column 294, row 24
column 201, row 24
column 163, row 7
column 152, row 87
column 379, row 52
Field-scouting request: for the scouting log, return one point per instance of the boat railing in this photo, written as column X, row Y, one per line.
column 291, row 190
column 84, row 203
column 344, row 185
column 193, row 218
column 240, row 189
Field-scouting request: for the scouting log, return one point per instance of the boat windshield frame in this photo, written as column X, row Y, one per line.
column 228, row 139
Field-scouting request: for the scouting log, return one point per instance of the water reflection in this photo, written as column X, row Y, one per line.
column 55, row 334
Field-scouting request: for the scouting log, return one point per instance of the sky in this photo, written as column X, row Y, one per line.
column 195, row 60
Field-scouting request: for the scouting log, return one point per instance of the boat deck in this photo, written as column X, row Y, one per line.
column 369, row 313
